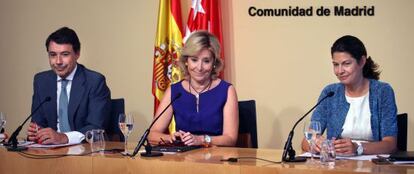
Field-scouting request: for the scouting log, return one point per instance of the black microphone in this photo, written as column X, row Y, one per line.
column 12, row 143
column 144, row 137
column 288, row 149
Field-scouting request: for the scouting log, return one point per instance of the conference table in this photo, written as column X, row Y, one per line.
column 199, row 161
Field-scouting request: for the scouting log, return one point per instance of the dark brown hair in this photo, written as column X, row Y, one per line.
column 353, row 46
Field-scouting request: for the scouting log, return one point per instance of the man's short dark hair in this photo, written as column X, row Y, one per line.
column 64, row 35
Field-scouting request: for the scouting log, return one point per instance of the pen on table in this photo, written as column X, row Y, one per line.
column 163, row 141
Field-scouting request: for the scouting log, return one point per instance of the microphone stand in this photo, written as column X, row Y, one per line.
column 12, row 143
column 288, row 152
column 144, row 138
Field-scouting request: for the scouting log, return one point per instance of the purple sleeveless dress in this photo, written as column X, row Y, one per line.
column 209, row 119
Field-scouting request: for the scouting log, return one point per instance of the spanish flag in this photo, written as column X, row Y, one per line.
column 168, row 44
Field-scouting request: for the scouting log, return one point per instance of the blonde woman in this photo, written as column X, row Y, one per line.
column 206, row 113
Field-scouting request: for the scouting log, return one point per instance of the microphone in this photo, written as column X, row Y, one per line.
column 144, row 137
column 288, row 149
column 12, row 143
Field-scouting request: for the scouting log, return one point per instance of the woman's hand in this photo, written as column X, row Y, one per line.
column 189, row 139
column 318, row 143
column 175, row 136
column 345, row 146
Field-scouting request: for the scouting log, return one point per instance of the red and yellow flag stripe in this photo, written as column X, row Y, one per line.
column 168, row 43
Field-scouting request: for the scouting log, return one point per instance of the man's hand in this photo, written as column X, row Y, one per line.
column 50, row 136
column 32, row 131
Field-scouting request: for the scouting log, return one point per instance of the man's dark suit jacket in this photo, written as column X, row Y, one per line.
column 89, row 103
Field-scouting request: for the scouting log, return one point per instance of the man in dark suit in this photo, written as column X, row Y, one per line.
column 80, row 98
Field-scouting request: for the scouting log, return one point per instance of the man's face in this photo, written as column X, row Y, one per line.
column 62, row 58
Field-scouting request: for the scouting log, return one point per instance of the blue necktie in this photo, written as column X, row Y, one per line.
column 63, row 108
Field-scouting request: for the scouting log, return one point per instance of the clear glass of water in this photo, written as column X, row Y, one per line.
column 328, row 154
column 96, row 139
column 2, row 125
column 2, row 120
column 312, row 130
column 126, row 124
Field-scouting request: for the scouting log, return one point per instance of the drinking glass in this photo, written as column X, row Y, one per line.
column 2, row 125
column 312, row 130
column 328, row 154
column 96, row 139
column 2, row 120
column 126, row 124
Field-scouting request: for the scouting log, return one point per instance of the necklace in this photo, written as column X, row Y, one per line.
column 197, row 95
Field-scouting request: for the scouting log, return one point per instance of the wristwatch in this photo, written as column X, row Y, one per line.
column 360, row 149
column 207, row 140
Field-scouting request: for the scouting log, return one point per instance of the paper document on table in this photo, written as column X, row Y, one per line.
column 35, row 145
column 354, row 157
column 25, row 143
column 403, row 162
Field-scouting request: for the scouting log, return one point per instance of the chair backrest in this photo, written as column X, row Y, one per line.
column 402, row 131
column 113, row 132
column 247, row 124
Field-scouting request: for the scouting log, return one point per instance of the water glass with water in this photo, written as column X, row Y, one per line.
column 96, row 138
column 312, row 131
column 2, row 120
column 2, row 125
column 126, row 124
column 328, row 154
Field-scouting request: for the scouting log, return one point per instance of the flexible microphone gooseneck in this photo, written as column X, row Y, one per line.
column 12, row 143
column 144, row 137
column 288, row 151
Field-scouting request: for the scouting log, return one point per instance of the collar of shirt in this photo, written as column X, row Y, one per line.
column 70, row 76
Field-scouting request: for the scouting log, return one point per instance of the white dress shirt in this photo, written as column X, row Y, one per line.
column 73, row 136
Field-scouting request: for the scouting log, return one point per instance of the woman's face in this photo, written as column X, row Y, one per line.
column 346, row 68
column 200, row 66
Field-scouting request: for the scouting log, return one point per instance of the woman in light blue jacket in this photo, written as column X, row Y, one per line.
column 361, row 116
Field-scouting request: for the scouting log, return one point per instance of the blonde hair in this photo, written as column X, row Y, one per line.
column 198, row 41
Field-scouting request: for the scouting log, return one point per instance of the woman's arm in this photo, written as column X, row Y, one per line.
column 159, row 128
column 230, row 125
column 230, row 121
column 386, row 146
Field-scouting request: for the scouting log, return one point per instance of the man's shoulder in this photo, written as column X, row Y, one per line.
column 90, row 74
column 44, row 74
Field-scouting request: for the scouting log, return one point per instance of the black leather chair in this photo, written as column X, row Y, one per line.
column 402, row 131
column 113, row 132
column 247, row 125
